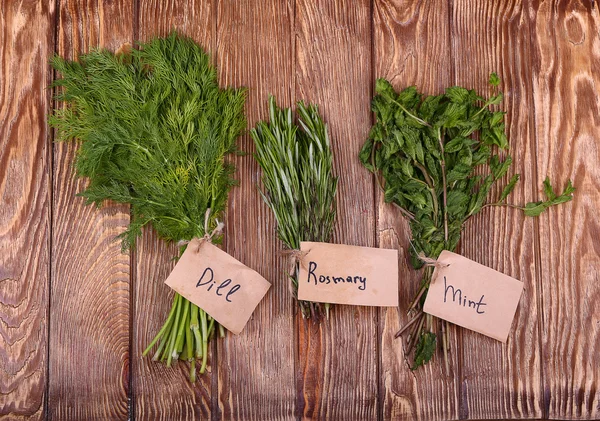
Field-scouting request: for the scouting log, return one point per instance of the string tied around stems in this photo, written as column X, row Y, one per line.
column 431, row 262
column 208, row 236
column 295, row 256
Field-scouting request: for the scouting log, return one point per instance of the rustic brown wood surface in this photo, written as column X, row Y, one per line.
column 90, row 290
column 26, row 43
column 76, row 313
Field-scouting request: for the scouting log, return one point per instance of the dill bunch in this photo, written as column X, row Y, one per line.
column 155, row 129
column 298, row 181
column 438, row 158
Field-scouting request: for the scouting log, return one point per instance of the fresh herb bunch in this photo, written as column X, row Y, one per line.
column 298, row 183
column 155, row 129
column 439, row 157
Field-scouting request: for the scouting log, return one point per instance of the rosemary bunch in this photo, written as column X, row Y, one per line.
column 155, row 128
column 437, row 158
column 298, row 183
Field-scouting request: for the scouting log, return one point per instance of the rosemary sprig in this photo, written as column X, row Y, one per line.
column 439, row 157
column 155, row 128
column 299, row 187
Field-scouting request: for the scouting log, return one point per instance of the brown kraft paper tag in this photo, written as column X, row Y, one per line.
column 341, row 274
column 222, row 286
column 473, row 296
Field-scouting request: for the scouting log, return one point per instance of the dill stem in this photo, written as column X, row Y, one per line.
column 163, row 329
column 195, row 328
column 181, row 328
column 204, row 328
column 173, row 333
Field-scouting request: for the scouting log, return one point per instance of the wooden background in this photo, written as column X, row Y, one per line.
column 75, row 313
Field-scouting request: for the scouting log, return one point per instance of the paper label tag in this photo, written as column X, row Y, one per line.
column 473, row 296
column 341, row 274
column 219, row 284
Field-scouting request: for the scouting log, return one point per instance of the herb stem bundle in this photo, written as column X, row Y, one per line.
column 299, row 186
column 155, row 129
column 433, row 150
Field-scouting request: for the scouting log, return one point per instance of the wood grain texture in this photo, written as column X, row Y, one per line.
column 256, row 368
column 90, row 294
column 161, row 392
column 412, row 46
column 502, row 380
column 72, row 305
column 566, row 81
column 26, row 34
column 338, row 359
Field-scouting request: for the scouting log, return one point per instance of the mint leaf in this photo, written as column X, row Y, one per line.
column 536, row 208
column 439, row 157
column 509, row 187
column 494, row 79
column 424, row 350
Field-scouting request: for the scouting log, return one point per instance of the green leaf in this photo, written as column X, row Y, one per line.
column 429, row 106
column 365, row 155
column 494, row 79
column 536, row 208
column 458, row 94
column 398, row 138
column 380, row 106
column 419, row 153
column 497, row 99
column 424, row 350
column 453, row 115
column 509, row 187
column 410, row 144
column 496, row 118
column 384, row 88
column 457, row 144
column 457, row 202
column 478, row 199
column 548, row 191
column 407, row 167
column 500, row 168
column 409, row 97
column 458, row 172
column 482, row 155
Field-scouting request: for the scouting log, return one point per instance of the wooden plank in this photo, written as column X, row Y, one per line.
column 412, row 46
column 90, row 294
column 256, row 368
column 27, row 34
column 338, row 359
column 161, row 392
column 566, row 77
column 497, row 380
